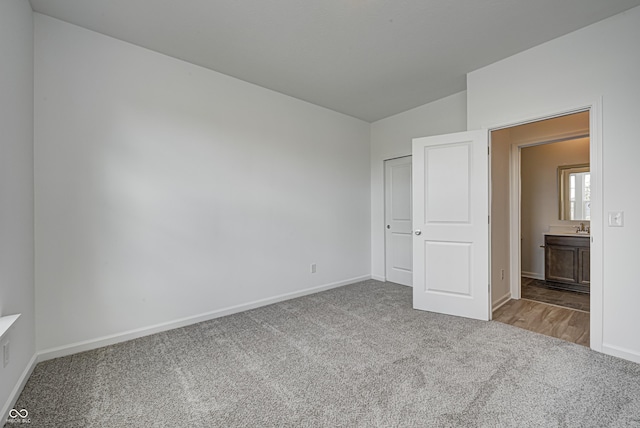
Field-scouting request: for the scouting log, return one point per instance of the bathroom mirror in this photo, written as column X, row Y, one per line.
column 574, row 192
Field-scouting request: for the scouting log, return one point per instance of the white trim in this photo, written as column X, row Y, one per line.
column 619, row 352
column 515, row 257
column 533, row 275
column 515, row 270
column 378, row 164
column 492, row 307
column 88, row 345
column 17, row 390
column 597, row 216
column 501, row 301
column 596, row 319
column 531, row 117
column 379, row 278
column 556, row 138
column 397, row 157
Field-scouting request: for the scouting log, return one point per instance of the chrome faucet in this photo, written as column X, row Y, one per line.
column 583, row 229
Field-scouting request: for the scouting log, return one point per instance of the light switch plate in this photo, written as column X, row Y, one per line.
column 616, row 218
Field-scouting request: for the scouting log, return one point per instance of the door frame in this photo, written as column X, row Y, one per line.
column 597, row 215
column 384, row 208
column 515, row 210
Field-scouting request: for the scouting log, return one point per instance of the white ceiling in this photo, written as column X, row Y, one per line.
column 366, row 58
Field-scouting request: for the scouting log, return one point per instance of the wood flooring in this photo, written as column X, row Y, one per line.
column 545, row 310
column 564, row 323
column 541, row 291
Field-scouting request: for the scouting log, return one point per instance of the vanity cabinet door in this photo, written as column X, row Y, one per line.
column 584, row 265
column 567, row 262
column 561, row 264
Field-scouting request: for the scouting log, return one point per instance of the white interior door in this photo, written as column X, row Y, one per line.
column 450, row 224
column 397, row 214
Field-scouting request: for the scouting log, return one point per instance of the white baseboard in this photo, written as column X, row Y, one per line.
column 17, row 390
column 379, row 278
column 533, row 275
column 88, row 345
column 619, row 352
column 501, row 301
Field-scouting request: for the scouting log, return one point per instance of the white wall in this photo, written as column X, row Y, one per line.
column 391, row 138
column 16, row 191
column 539, row 196
column 166, row 190
column 599, row 62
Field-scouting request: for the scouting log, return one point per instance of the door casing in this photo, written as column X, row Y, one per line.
column 402, row 227
column 597, row 215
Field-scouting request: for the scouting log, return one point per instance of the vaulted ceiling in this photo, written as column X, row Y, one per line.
column 366, row 58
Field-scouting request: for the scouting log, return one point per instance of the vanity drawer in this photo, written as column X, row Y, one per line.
column 569, row 241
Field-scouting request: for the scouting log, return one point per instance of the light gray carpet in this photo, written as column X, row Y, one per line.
column 354, row 356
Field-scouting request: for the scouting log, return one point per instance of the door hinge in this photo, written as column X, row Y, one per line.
column 488, row 219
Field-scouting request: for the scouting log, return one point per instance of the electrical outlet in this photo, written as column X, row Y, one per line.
column 5, row 354
column 313, row 268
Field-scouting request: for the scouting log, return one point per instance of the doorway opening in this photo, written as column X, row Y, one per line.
column 541, row 277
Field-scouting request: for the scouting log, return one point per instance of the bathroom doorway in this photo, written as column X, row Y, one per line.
column 547, row 290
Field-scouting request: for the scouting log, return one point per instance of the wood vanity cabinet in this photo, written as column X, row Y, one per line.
column 567, row 261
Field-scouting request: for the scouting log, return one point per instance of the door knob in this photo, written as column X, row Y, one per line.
column 418, row 232
column 388, row 226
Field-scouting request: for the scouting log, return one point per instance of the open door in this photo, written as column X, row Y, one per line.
column 451, row 224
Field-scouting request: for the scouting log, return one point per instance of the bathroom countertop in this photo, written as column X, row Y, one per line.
column 586, row 235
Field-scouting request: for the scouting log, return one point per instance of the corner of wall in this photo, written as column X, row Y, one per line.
column 17, row 195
